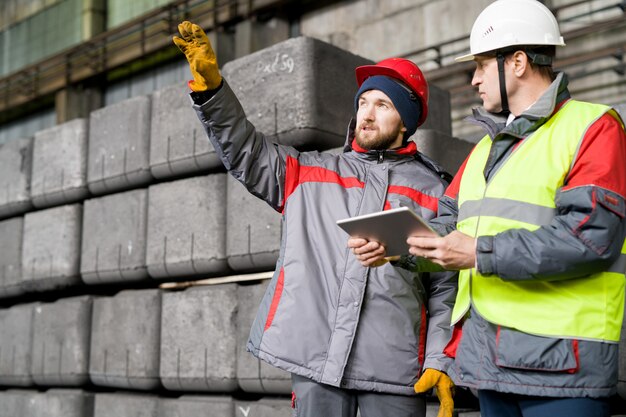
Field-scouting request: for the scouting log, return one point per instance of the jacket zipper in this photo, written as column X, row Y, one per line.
column 381, row 155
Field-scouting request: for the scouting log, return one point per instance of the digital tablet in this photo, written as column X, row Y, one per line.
column 390, row 227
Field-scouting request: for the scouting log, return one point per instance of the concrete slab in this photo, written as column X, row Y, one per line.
column 11, row 233
column 125, row 405
column 439, row 111
column 178, row 142
column 13, row 402
column 59, row 173
column 125, row 336
column 199, row 339
column 114, row 238
column 119, row 146
column 187, row 228
column 448, row 151
column 197, row 406
column 253, row 374
column 61, row 342
column 253, row 230
column 275, row 86
column 265, row 407
column 16, row 158
column 16, row 324
column 51, row 248
column 61, row 403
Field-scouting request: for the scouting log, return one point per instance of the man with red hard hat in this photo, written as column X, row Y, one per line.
column 354, row 338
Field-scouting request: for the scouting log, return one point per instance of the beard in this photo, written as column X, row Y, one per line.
column 379, row 141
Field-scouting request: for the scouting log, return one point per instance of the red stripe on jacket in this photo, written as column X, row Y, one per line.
column 296, row 174
column 278, row 291
column 421, row 353
column 420, row 198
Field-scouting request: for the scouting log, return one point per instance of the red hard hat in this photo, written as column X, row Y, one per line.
column 403, row 70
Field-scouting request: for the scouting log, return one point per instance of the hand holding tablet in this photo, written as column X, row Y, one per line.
column 391, row 228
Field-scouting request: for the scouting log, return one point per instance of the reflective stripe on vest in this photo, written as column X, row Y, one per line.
column 521, row 194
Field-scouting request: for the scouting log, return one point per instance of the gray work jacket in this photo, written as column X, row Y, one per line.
column 324, row 316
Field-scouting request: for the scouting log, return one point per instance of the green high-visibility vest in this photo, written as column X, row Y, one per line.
column 521, row 195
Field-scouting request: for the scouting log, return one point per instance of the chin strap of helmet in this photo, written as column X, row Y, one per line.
column 503, row 96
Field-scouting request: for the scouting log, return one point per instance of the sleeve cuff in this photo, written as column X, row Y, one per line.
column 201, row 97
column 485, row 255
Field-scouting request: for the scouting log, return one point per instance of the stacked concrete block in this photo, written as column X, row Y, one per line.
column 187, row 228
column 61, row 342
column 61, row 403
column 253, row 230
column 11, row 232
column 114, row 238
column 265, row 407
column 126, row 405
column 199, row 339
column 178, row 142
column 51, row 248
column 119, row 146
column 125, row 336
column 197, row 406
column 446, row 150
column 439, row 107
column 15, row 171
column 16, row 326
column 60, row 164
column 291, row 93
column 13, row 402
column 253, row 374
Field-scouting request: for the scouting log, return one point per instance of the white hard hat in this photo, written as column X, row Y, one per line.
column 507, row 23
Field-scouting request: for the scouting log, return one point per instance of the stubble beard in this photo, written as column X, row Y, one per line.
column 380, row 142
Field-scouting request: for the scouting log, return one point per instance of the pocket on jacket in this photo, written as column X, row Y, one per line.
column 519, row 350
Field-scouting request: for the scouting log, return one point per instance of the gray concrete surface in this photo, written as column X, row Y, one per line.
column 124, row 404
column 11, row 232
column 275, row 86
column 198, row 339
column 253, row 230
column 16, row 159
column 16, row 328
column 265, row 407
column 253, row 374
column 449, row 152
column 114, row 238
column 59, row 174
column 125, row 336
column 197, row 406
column 178, row 142
column 438, row 111
column 119, row 146
column 60, row 403
column 61, row 335
column 187, row 228
column 51, row 248
column 13, row 402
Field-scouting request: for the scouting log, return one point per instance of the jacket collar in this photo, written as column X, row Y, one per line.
column 531, row 119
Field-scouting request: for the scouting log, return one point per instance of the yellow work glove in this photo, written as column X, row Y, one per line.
column 444, row 386
column 202, row 61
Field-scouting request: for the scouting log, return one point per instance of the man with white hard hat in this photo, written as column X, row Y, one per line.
column 534, row 221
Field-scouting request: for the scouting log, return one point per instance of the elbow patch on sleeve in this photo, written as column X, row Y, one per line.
column 597, row 230
column 612, row 202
